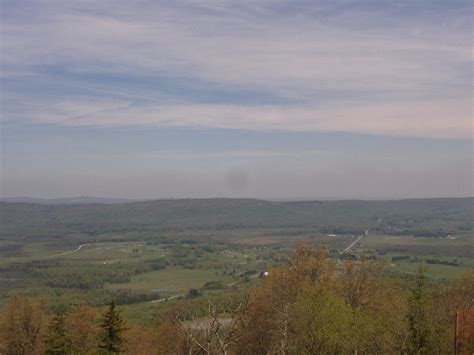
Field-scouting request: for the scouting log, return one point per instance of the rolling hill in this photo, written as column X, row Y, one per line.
column 433, row 217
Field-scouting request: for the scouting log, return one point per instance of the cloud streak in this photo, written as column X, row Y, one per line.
column 380, row 68
column 447, row 119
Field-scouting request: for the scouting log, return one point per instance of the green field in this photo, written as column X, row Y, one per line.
column 178, row 280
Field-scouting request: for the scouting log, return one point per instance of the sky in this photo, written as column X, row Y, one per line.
column 273, row 99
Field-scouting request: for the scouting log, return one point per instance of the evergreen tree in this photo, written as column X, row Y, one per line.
column 421, row 339
column 112, row 326
column 56, row 342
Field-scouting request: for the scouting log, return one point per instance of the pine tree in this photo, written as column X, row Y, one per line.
column 56, row 342
column 421, row 339
column 112, row 327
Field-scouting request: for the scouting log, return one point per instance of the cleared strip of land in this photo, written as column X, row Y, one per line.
column 351, row 245
column 73, row 251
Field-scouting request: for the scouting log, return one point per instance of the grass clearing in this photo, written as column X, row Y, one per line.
column 439, row 272
column 171, row 278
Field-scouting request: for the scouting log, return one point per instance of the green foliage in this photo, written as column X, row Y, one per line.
column 56, row 341
column 193, row 293
column 422, row 339
column 112, row 328
column 323, row 324
column 302, row 307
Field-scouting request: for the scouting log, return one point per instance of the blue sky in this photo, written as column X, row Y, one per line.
column 268, row 99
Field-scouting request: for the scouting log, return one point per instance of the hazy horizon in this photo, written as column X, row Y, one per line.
column 114, row 199
column 267, row 99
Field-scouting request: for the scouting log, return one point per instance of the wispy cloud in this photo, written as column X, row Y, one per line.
column 447, row 119
column 375, row 67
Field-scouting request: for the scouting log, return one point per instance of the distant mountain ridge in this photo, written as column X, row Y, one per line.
column 431, row 217
column 67, row 200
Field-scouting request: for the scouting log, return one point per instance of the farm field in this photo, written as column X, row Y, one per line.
column 438, row 272
column 171, row 280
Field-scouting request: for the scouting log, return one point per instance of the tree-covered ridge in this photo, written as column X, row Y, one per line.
column 424, row 217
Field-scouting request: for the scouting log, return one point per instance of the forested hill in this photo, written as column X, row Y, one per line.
column 431, row 217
